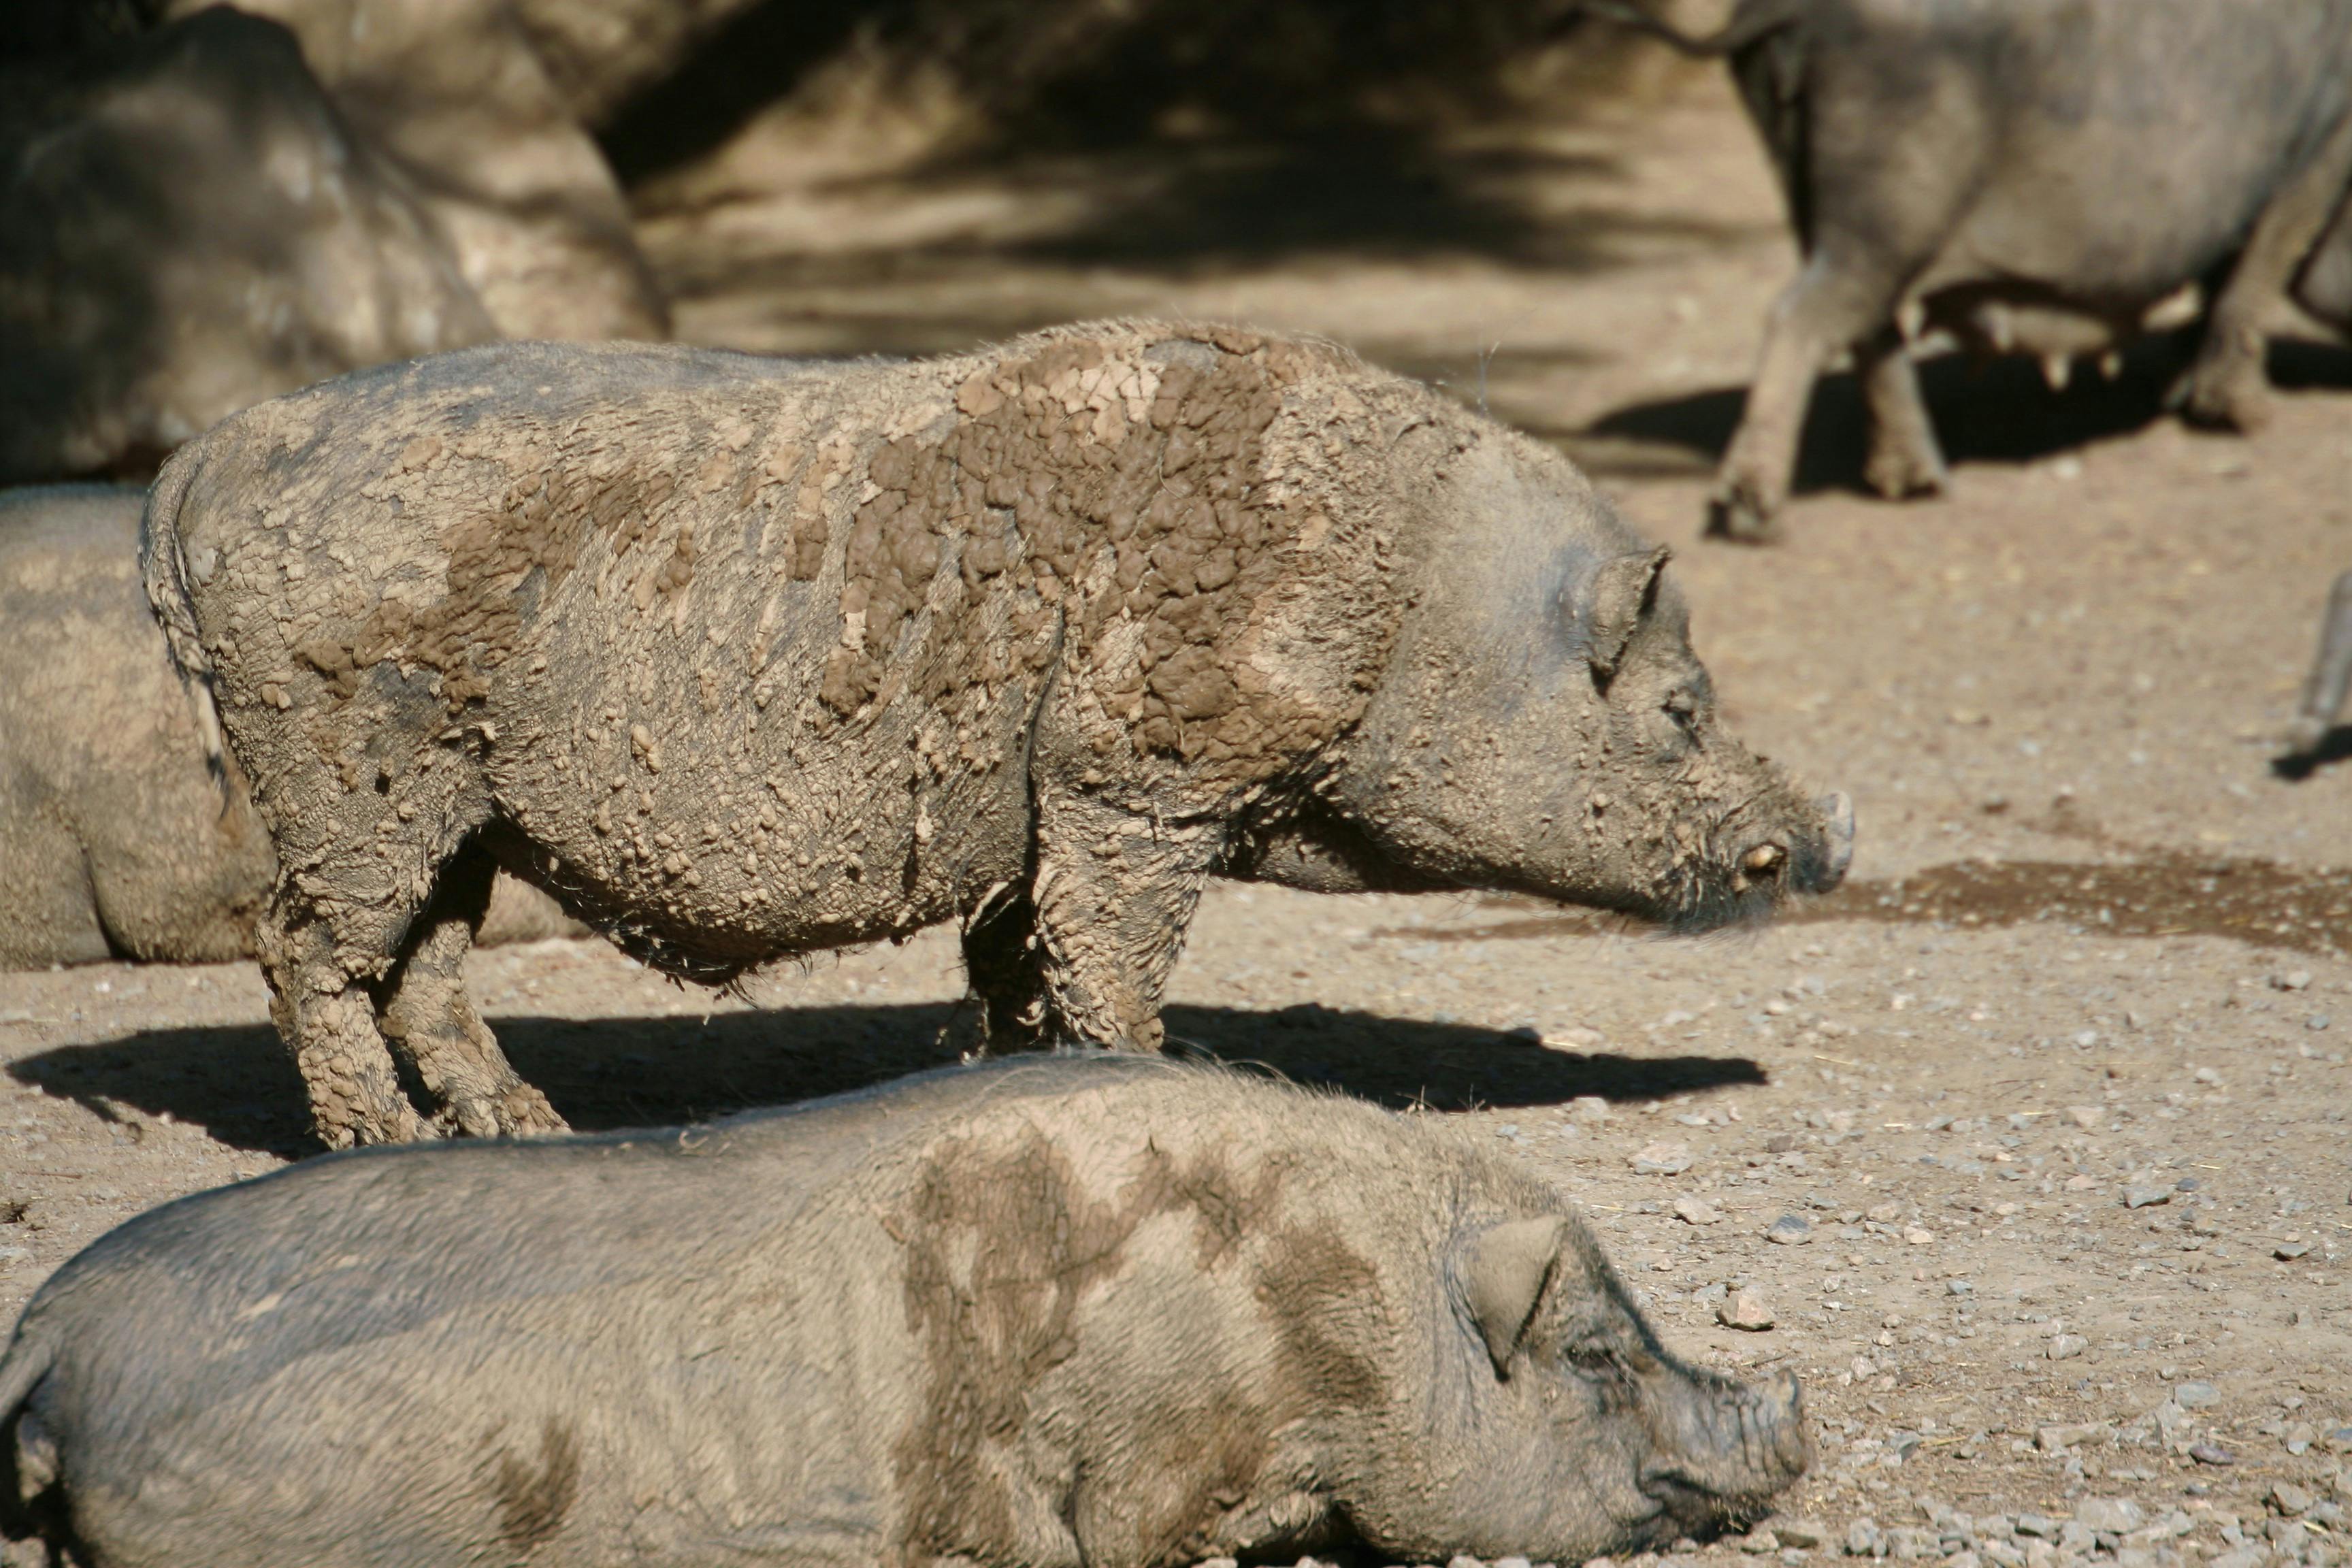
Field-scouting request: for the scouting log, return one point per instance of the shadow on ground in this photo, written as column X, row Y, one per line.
column 237, row 1085
column 1997, row 412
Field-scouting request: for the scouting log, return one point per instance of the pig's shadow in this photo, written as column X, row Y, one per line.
column 1997, row 412
column 237, row 1083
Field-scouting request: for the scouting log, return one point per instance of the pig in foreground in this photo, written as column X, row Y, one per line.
column 2034, row 177
column 1073, row 1310
column 2331, row 673
column 116, row 840
column 188, row 227
column 739, row 659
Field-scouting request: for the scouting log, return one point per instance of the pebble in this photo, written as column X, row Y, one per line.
column 1788, row 1230
column 2085, row 1116
column 1759, row 1541
column 2066, row 1347
column 1801, row 1534
column 2146, row 1196
column 2114, row 1516
column 2290, row 1499
column 2196, row 1395
column 2057, row 1439
column 2211, row 1454
column 2316, row 1022
column 1695, row 1211
column 2039, row 1526
column 1745, row 1309
column 2288, row 1251
column 1862, row 1539
column 1916, row 1236
column 1662, row 1159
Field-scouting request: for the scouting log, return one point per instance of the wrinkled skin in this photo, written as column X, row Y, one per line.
column 186, row 228
column 116, row 840
column 454, row 94
column 2331, row 673
column 2035, row 177
column 741, row 659
column 1074, row 1310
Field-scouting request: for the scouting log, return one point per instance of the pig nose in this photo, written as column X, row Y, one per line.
column 1762, row 863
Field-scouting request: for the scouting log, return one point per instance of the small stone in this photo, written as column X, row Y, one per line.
column 1788, row 1230
column 1801, row 1534
column 1916, row 1235
column 1662, row 1159
column 2146, row 1195
column 2318, row 1022
column 2288, row 1251
column 1958, row 1287
column 2081, row 1183
column 1459, row 1560
column 2290, row 1499
column 2243, row 1557
column 2170, row 1420
column 2085, row 1115
column 1745, row 1309
column 2109, row 1516
column 2298, row 980
column 1863, row 1540
column 1512, row 1562
column 2038, row 1526
column 2066, row 1347
column 2058, row 1438
column 1695, row 1211
column 1759, row 1541
column 1218, row 1563
column 2196, row 1395
column 2211, row 1454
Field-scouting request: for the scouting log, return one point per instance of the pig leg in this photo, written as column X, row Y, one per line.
column 328, row 1013
column 2331, row 672
column 427, row 1018
column 1831, row 305
column 1904, row 458
column 2227, row 388
column 1115, row 890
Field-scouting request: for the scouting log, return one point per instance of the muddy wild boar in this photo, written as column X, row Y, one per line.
column 116, row 839
column 2032, row 176
column 1071, row 1309
column 739, row 659
column 186, row 228
column 2331, row 673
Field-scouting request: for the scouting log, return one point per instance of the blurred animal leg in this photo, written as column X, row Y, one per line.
column 1904, row 458
column 2331, row 672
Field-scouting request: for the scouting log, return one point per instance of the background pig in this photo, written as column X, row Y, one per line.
column 187, row 227
column 739, row 659
column 1063, row 1310
column 116, row 841
column 2033, row 177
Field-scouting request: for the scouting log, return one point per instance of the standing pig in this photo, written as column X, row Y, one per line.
column 2032, row 176
column 1067, row 1310
column 739, row 659
column 116, row 838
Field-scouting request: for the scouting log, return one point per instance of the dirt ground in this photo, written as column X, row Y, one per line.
column 2031, row 1143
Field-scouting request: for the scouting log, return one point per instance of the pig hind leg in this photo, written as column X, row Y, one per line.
column 2227, row 388
column 430, row 1020
column 1904, row 458
column 326, row 1013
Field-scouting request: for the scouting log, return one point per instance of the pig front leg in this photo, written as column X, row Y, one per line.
column 1114, row 892
column 2228, row 387
column 1828, row 306
column 2331, row 673
column 1904, row 457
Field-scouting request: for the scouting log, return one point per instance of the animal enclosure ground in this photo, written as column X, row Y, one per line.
column 2055, row 1091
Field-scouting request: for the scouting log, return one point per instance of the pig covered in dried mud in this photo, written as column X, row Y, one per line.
column 2034, row 177
column 1060, row 1311
column 116, row 839
column 739, row 659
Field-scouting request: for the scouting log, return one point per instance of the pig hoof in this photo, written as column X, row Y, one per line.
column 2227, row 402
column 2304, row 736
column 1902, row 476
column 1737, row 516
column 520, row 1112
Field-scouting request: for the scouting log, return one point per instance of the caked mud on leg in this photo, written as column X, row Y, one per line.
column 429, row 1020
column 327, row 1014
column 1115, row 890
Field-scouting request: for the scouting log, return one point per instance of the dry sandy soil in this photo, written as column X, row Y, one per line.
column 2056, row 1085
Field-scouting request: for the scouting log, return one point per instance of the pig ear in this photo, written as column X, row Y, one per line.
column 1503, row 1274
column 1622, row 590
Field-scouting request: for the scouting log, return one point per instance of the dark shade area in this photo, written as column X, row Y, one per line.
column 2000, row 411
column 237, row 1084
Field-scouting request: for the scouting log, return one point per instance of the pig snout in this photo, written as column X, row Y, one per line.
column 1727, row 1449
column 1815, row 863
